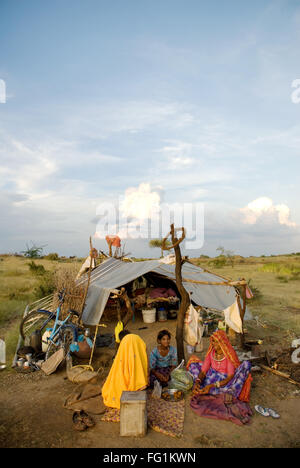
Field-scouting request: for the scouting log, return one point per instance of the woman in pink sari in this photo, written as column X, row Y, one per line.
column 221, row 371
column 222, row 383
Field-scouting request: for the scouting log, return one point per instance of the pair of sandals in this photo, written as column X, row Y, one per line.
column 266, row 411
column 82, row 420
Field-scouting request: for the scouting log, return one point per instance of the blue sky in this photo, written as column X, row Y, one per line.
column 177, row 102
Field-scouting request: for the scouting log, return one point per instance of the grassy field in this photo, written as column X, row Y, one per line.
column 274, row 280
column 21, row 284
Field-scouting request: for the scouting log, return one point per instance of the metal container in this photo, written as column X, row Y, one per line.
column 133, row 414
column 169, row 394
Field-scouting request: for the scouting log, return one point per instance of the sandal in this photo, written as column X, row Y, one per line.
column 78, row 423
column 273, row 413
column 87, row 419
column 261, row 410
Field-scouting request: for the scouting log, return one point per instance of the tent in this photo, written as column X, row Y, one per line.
column 207, row 289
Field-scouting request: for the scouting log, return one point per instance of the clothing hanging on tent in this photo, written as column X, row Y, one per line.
column 233, row 318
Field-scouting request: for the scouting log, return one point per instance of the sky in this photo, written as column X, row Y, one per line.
column 112, row 112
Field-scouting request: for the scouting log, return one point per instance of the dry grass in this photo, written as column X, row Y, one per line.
column 64, row 278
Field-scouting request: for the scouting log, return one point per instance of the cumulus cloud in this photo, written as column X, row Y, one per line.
column 140, row 202
column 264, row 208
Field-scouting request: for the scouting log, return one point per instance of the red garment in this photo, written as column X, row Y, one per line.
column 115, row 241
column 225, row 366
column 228, row 351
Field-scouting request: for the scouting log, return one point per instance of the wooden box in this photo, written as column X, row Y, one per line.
column 133, row 414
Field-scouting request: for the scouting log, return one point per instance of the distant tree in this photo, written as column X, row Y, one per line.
column 226, row 257
column 33, row 251
column 157, row 243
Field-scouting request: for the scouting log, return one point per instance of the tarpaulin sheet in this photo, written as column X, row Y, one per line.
column 113, row 273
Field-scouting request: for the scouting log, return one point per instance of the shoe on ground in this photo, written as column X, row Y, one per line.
column 261, row 410
column 273, row 413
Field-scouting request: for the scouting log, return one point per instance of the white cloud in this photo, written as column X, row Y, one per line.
column 140, row 202
column 264, row 207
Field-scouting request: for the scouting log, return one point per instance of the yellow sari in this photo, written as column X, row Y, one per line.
column 129, row 371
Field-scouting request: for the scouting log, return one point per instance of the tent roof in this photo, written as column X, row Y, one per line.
column 113, row 273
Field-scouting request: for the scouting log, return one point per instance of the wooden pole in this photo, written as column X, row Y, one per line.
column 185, row 298
column 88, row 282
column 216, row 283
column 93, row 348
column 243, row 314
column 280, row 374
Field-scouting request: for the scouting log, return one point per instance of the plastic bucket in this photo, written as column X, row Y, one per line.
column 149, row 316
column 162, row 315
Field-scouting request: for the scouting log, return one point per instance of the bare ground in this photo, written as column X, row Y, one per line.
column 32, row 413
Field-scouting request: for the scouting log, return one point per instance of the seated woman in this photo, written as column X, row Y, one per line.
column 163, row 359
column 129, row 371
column 221, row 371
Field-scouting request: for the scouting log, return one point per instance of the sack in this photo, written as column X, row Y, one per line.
column 53, row 362
column 181, row 379
column 157, row 390
column 193, row 329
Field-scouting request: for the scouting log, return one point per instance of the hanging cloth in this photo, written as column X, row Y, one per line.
column 233, row 318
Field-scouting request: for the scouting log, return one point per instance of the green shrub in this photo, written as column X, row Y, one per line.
column 46, row 286
column 52, row 256
column 218, row 262
column 36, row 269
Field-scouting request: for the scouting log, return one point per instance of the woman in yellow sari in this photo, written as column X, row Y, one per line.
column 129, row 371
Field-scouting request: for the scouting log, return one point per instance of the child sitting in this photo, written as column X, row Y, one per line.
column 163, row 359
